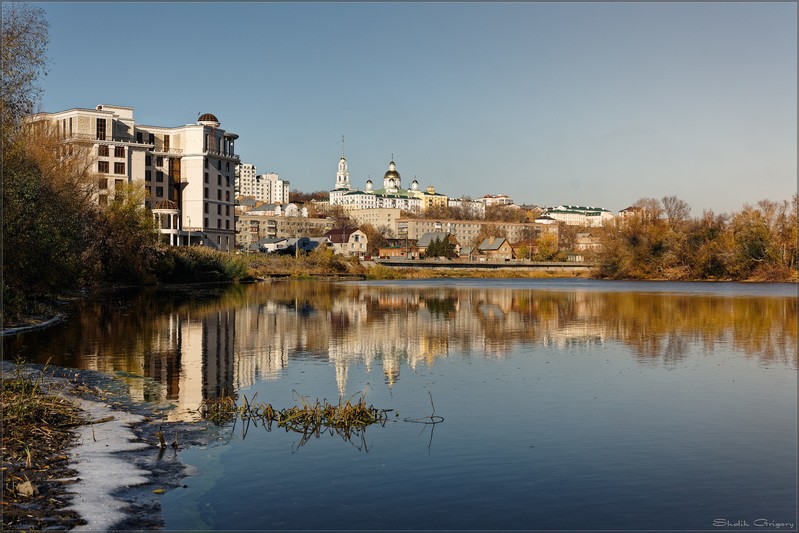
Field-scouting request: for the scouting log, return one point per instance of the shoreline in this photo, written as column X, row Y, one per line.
column 115, row 471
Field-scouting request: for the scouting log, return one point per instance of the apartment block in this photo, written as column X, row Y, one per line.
column 267, row 187
column 187, row 172
column 468, row 232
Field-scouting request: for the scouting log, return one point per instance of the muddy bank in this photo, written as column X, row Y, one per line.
column 115, row 472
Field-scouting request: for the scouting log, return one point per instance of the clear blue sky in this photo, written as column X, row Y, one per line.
column 579, row 103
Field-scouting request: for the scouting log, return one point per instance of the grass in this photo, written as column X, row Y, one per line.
column 346, row 419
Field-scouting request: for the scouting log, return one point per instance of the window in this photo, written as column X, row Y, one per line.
column 218, row 195
column 139, row 137
column 218, row 224
column 102, row 183
column 227, row 210
column 148, row 160
column 219, row 180
column 227, row 196
column 159, row 191
column 147, row 190
column 227, row 224
column 102, row 150
column 102, row 167
column 218, row 209
column 159, row 176
column 101, row 129
column 219, row 165
column 166, row 143
column 102, row 200
column 119, row 168
column 205, row 193
column 205, row 222
column 151, row 138
column 119, row 151
column 205, row 162
column 159, row 161
column 227, row 166
column 205, row 208
column 206, row 177
column 147, row 175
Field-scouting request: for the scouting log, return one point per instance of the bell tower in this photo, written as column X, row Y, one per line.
column 342, row 176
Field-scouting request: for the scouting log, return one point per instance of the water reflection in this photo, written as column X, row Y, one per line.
column 184, row 348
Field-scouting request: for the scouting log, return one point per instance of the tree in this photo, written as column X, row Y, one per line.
column 341, row 219
column 25, row 34
column 547, row 247
column 677, row 211
column 375, row 239
column 126, row 238
column 440, row 248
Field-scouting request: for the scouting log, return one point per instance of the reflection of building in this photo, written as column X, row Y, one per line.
column 206, row 361
column 195, row 352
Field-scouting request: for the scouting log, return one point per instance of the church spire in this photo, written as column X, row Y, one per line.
column 342, row 176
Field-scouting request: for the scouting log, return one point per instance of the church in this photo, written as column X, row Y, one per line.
column 391, row 195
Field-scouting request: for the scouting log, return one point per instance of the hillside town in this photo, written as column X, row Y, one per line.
column 201, row 193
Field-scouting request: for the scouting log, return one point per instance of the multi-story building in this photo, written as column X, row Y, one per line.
column 253, row 227
column 187, row 171
column 267, row 187
column 471, row 208
column 575, row 215
column 383, row 219
column 276, row 190
column 468, row 232
column 496, row 199
column 247, row 183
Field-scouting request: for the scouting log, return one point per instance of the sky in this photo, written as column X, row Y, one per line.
column 596, row 104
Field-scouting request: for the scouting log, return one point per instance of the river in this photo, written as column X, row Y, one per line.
column 566, row 404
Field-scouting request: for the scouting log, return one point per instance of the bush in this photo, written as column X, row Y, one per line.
column 198, row 264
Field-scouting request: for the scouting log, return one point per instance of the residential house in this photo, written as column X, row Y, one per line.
column 497, row 248
column 348, row 241
column 268, row 245
column 469, row 253
column 305, row 244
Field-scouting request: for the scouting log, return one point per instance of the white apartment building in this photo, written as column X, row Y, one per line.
column 575, row 215
column 267, row 187
column 187, row 171
column 496, row 199
column 276, row 190
column 246, row 183
column 474, row 208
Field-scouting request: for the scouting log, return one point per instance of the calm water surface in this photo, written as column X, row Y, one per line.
column 567, row 404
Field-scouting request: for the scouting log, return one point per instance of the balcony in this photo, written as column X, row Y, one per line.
column 112, row 138
column 219, row 153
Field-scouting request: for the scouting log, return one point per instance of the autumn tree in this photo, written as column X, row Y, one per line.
column 375, row 239
column 25, row 34
column 547, row 247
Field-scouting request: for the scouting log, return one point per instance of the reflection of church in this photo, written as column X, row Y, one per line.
column 198, row 354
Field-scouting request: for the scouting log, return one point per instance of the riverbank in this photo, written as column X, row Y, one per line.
column 77, row 453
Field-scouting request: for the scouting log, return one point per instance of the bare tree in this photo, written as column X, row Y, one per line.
column 676, row 210
column 25, row 34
